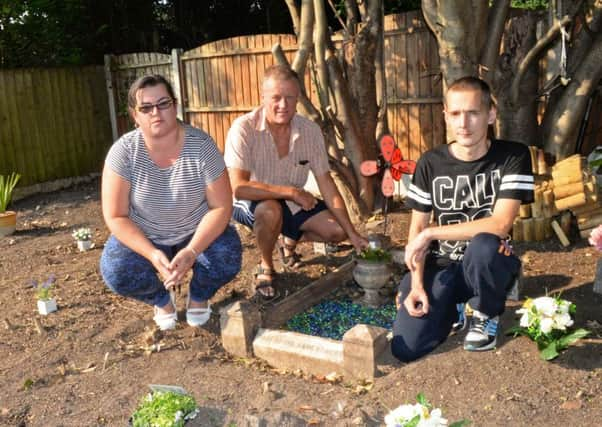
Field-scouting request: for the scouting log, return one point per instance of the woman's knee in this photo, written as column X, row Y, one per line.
column 224, row 257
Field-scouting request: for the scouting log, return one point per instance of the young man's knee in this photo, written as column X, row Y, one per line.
column 484, row 244
column 404, row 352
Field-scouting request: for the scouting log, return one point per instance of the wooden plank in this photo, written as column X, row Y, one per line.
column 560, row 234
column 413, row 91
column 8, row 160
column 111, row 95
column 245, row 74
column 306, row 297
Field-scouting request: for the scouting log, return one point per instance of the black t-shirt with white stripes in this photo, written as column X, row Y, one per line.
column 167, row 203
column 461, row 191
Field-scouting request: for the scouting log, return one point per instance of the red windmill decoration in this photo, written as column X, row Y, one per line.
column 393, row 164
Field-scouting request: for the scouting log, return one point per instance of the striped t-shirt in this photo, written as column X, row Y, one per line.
column 167, row 203
column 462, row 191
column 250, row 147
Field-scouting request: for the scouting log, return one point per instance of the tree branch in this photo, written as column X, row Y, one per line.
column 304, row 40
column 320, row 33
column 497, row 18
column 534, row 53
column 294, row 12
column 306, row 104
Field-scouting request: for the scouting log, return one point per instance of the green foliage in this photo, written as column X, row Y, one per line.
column 7, row 185
column 530, row 4
column 160, row 409
column 375, row 254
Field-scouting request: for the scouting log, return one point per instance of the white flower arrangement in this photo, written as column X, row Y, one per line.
column 419, row 414
column 82, row 234
column 546, row 320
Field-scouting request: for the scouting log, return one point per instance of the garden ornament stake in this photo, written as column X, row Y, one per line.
column 394, row 166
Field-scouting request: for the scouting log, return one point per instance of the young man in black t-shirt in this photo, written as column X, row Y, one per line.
column 472, row 189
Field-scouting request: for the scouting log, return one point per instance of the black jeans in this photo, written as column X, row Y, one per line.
column 481, row 279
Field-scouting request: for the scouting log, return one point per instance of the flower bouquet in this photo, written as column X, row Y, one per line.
column 547, row 321
column 419, row 415
column 83, row 237
column 46, row 303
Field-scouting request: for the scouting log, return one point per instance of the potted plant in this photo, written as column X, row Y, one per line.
column 8, row 219
column 46, row 302
column 83, row 237
column 372, row 272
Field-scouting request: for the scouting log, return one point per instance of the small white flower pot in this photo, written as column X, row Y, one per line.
column 84, row 245
column 46, row 306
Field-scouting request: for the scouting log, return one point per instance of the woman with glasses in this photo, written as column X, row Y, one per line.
column 166, row 199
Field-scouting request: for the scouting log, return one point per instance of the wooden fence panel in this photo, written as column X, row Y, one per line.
column 221, row 80
column 54, row 123
column 125, row 69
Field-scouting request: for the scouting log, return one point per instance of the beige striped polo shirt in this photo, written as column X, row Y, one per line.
column 250, row 147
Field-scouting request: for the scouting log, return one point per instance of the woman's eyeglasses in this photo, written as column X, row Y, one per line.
column 161, row 105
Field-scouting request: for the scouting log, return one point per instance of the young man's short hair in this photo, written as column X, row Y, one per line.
column 473, row 83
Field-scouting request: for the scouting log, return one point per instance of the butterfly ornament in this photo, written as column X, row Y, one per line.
column 394, row 166
column 392, row 162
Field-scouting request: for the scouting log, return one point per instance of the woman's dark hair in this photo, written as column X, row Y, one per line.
column 148, row 81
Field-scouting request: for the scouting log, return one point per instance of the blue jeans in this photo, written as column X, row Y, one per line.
column 131, row 275
column 481, row 279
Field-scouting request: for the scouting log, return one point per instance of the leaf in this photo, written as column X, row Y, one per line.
column 460, row 423
column 413, row 422
column 569, row 339
column 550, row 352
column 420, row 398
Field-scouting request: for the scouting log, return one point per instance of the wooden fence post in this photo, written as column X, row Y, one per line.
column 111, row 96
column 177, row 81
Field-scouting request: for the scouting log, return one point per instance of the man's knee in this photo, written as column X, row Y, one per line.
column 335, row 233
column 403, row 351
column 484, row 244
column 268, row 213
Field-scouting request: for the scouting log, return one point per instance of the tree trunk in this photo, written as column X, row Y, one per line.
column 517, row 121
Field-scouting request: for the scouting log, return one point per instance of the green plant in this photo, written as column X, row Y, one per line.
column 547, row 321
column 375, row 255
column 164, row 409
column 82, row 234
column 7, row 185
column 44, row 290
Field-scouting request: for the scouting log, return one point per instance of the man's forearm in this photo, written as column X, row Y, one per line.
column 253, row 190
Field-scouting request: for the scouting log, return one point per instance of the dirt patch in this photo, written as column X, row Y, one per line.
column 90, row 362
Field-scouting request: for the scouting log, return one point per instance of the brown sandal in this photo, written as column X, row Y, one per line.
column 289, row 262
column 264, row 287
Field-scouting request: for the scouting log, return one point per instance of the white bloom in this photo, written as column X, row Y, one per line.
column 564, row 306
column 526, row 319
column 562, row 321
column 545, row 305
column 402, row 414
column 435, row 419
column 546, row 324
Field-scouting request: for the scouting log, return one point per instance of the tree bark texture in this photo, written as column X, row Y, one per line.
column 345, row 80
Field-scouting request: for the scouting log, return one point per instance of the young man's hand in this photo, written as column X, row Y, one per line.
column 417, row 249
column 417, row 302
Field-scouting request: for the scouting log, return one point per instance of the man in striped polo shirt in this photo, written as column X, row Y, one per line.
column 269, row 153
column 471, row 189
